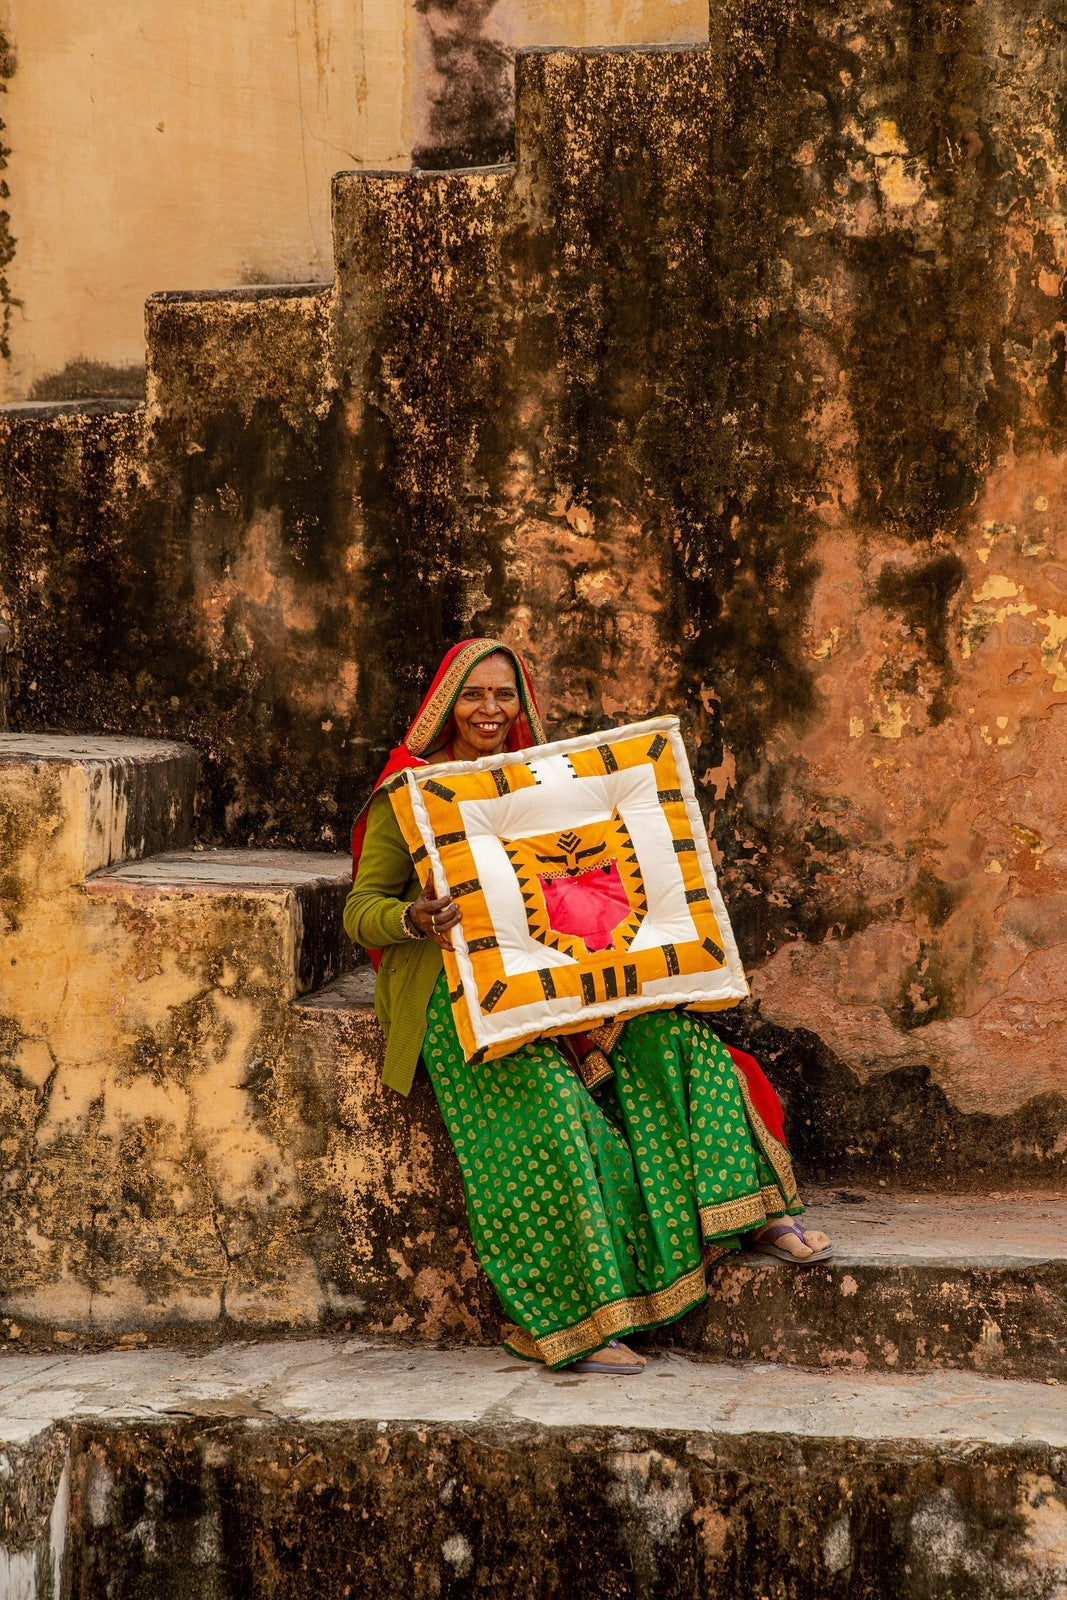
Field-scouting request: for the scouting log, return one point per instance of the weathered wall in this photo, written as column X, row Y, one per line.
column 207, row 138
column 191, row 1134
column 464, row 107
column 505, row 1509
column 153, row 1115
column 772, row 431
column 741, row 396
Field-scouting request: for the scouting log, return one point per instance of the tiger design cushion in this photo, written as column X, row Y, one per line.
column 585, row 881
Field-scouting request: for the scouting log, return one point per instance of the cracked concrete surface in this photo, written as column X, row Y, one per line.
column 357, row 1380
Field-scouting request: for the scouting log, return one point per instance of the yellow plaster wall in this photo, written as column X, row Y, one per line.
column 174, row 146
column 191, row 145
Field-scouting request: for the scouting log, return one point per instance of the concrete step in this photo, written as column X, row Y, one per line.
column 353, row 991
column 917, row 1283
column 233, row 350
column 152, row 1125
column 302, row 891
column 71, row 804
column 355, row 1468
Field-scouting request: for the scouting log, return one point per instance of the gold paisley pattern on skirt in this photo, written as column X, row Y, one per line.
column 595, row 1215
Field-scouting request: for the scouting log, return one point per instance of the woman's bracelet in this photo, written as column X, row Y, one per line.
column 409, row 928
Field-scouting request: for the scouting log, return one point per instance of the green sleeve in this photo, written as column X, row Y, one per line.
column 385, row 882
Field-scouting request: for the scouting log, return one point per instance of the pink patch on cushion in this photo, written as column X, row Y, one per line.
column 590, row 906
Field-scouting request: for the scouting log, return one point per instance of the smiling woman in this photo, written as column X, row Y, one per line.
column 594, row 1209
column 485, row 710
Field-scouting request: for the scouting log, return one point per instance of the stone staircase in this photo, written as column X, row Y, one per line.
column 196, row 1144
column 359, row 1468
column 195, row 1132
column 152, row 1126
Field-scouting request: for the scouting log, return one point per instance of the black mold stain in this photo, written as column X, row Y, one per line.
column 842, row 1130
column 428, row 449
column 511, row 1510
column 91, row 380
column 922, row 595
column 934, row 398
column 680, row 376
column 472, row 111
column 920, row 1317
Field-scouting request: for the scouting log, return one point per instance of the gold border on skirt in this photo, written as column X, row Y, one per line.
column 621, row 1316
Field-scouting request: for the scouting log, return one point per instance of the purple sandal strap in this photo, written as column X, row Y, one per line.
column 778, row 1230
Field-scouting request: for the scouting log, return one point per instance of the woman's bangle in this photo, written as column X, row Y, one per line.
column 410, row 930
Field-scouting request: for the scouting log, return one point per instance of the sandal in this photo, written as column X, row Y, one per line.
column 609, row 1369
column 766, row 1244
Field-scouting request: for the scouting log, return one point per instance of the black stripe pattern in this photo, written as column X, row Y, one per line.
column 490, row 998
column 439, row 789
column 469, row 886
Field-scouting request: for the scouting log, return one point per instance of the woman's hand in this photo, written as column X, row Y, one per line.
column 435, row 917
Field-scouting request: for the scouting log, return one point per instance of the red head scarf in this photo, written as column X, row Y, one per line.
column 433, row 720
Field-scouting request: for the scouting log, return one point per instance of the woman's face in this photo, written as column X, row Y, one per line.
column 485, row 709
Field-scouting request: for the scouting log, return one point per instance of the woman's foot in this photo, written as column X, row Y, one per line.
column 788, row 1241
column 613, row 1360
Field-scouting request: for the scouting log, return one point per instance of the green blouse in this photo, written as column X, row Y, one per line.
column 385, row 882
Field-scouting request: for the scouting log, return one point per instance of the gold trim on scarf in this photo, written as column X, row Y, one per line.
column 594, row 1067
column 621, row 1316
column 606, row 1034
column 420, row 738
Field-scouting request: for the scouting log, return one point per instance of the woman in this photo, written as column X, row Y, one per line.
column 593, row 1211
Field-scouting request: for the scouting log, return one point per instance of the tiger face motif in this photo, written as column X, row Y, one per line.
column 582, row 888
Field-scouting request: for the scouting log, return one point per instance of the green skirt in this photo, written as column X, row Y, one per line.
column 594, row 1214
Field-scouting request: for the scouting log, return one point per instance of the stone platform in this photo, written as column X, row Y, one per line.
column 915, row 1283
column 354, row 1467
column 197, row 1140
